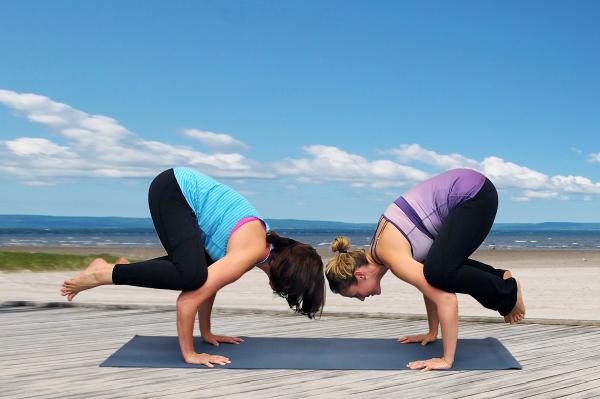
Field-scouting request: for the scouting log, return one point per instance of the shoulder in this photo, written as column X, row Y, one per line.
column 392, row 244
column 249, row 241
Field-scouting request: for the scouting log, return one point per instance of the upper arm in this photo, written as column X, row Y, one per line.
column 221, row 273
column 394, row 251
column 249, row 242
column 244, row 249
column 411, row 271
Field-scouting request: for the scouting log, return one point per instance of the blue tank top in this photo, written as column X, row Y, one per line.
column 217, row 206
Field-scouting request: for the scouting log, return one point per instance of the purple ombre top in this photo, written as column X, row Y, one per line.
column 420, row 212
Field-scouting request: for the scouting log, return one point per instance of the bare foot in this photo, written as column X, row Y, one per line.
column 122, row 261
column 94, row 275
column 507, row 274
column 518, row 312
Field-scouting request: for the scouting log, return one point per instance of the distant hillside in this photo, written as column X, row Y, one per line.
column 295, row 224
column 547, row 226
column 41, row 222
column 73, row 222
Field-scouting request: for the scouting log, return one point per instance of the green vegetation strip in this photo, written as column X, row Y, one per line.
column 44, row 262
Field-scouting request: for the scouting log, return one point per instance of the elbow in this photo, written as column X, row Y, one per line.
column 447, row 300
column 186, row 301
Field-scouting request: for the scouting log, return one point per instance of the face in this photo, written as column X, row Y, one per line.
column 368, row 283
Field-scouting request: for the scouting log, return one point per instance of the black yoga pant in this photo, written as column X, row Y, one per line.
column 186, row 265
column 448, row 266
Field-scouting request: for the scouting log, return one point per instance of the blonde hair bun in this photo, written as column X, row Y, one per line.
column 340, row 244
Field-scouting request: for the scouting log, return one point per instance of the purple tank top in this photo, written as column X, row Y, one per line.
column 420, row 212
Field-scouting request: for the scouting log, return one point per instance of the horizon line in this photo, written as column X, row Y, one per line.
column 268, row 218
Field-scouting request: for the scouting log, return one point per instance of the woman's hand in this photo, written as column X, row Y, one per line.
column 431, row 364
column 423, row 339
column 206, row 359
column 213, row 339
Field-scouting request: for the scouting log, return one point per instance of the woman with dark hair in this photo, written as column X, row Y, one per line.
column 425, row 238
column 202, row 223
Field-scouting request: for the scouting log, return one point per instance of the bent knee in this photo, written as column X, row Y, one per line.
column 435, row 276
column 193, row 281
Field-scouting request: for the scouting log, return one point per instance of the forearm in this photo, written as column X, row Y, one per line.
column 204, row 313
column 224, row 271
column 186, row 315
column 447, row 310
column 432, row 316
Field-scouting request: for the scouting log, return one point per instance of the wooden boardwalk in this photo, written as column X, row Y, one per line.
column 55, row 353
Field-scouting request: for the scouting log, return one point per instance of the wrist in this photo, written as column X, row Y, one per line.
column 449, row 360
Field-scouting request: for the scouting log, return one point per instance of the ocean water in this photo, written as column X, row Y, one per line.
column 142, row 237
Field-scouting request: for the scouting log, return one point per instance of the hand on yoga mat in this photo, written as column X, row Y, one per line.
column 206, row 359
column 431, row 364
column 423, row 339
column 215, row 339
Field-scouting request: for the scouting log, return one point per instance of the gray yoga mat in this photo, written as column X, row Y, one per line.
column 313, row 354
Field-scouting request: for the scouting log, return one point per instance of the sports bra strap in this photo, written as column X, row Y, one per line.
column 375, row 239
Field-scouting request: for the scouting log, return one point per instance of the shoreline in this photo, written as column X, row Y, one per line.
column 558, row 284
column 510, row 258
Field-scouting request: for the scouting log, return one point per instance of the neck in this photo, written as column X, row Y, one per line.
column 266, row 267
column 380, row 270
column 370, row 259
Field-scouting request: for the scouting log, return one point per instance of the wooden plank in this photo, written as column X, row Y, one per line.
column 55, row 353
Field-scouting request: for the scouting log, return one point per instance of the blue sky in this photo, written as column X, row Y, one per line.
column 314, row 110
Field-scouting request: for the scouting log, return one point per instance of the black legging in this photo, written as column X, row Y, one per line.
column 448, row 266
column 186, row 265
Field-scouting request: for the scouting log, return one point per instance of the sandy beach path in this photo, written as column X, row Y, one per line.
column 557, row 285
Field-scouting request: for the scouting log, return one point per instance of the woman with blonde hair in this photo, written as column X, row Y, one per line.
column 425, row 238
column 212, row 236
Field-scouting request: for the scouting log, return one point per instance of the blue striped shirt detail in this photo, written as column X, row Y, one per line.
column 217, row 206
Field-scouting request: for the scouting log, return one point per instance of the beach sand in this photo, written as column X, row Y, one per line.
column 557, row 285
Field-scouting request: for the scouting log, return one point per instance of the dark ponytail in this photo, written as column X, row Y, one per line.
column 296, row 274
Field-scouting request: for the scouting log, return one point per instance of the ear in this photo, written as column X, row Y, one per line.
column 360, row 275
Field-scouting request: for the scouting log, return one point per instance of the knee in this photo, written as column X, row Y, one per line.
column 193, row 280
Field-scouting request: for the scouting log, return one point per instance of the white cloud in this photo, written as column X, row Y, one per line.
column 594, row 157
column 414, row 152
column 575, row 184
column 26, row 146
column 576, row 150
column 215, row 140
column 504, row 174
column 540, row 194
column 508, row 174
column 88, row 145
column 99, row 146
column 328, row 163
